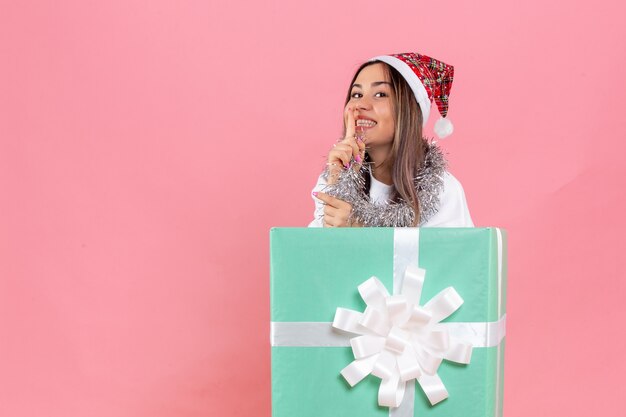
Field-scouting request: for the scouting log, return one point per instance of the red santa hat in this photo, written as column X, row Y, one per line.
column 430, row 80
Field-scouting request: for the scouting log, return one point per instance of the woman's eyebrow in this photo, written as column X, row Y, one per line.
column 374, row 84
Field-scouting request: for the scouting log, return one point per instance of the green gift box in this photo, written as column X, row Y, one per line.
column 314, row 271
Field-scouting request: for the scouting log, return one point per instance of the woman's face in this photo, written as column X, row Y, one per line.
column 371, row 99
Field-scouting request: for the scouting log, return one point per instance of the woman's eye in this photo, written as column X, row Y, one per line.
column 359, row 95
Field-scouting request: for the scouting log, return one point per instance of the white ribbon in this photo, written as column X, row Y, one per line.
column 322, row 334
column 400, row 340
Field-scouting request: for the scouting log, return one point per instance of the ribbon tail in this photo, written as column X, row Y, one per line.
column 433, row 388
column 407, row 406
column 359, row 369
column 391, row 391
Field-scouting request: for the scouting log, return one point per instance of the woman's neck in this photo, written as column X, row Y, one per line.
column 381, row 170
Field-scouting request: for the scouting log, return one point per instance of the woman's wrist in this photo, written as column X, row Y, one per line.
column 331, row 173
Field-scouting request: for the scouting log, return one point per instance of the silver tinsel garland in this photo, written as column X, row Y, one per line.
column 350, row 187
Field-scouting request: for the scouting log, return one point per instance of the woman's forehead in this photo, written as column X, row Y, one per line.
column 372, row 74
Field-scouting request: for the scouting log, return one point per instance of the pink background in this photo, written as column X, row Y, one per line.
column 148, row 146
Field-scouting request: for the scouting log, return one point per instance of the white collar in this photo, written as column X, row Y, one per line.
column 379, row 191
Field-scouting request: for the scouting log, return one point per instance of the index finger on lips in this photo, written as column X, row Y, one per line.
column 350, row 122
column 350, row 137
column 359, row 139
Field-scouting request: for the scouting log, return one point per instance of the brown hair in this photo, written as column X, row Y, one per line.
column 407, row 151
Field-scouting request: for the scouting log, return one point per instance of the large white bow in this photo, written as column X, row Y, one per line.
column 401, row 340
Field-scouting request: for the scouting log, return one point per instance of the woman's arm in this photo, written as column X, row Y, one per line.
column 453, row 210
column 349, row 153
column 318, row 214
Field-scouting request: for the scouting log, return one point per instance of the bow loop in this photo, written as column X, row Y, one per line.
column 398, row 309
column 444, row 304
column 375, row 320
column 413, row 283
column 366, row 345
column 373, row 293
column 348, row 321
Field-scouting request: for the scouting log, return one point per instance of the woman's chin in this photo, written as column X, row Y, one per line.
column 375, row 142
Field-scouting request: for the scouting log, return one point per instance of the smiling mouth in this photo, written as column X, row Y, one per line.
column 365, row 124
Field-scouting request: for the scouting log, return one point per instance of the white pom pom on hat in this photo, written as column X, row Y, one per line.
column 443, row 127
column 430, row 80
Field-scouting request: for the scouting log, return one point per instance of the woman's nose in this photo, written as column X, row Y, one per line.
column 363, row 104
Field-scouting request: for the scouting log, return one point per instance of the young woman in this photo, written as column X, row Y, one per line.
column 383, row 172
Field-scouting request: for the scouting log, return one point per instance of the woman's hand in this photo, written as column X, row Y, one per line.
column 336, row 212
column 349, row 147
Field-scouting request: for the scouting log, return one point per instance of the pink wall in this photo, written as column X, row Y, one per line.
column 147, row 148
